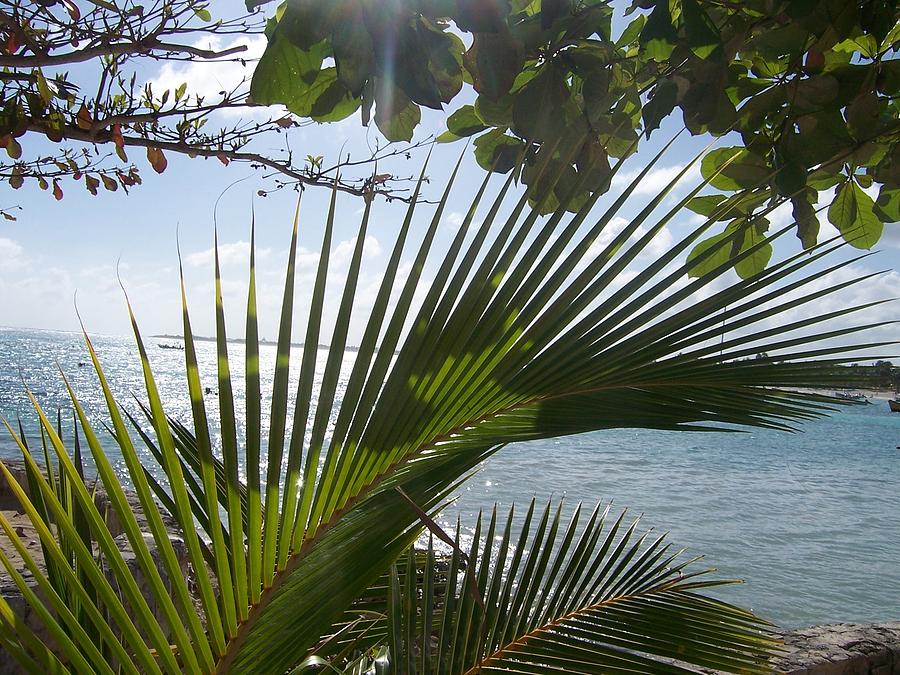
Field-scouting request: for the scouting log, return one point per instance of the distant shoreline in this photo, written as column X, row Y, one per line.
column 240, row 341
column 877, row 394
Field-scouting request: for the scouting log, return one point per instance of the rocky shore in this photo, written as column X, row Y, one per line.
column 842, row 649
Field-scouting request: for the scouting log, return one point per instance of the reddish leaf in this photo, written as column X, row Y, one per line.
column 13, row 149
column 84, row 120
column 91, row 184
column 57, row 191
column 815, row 61
column 157, row 159
column 109, row 183
column 284, row 122
column 381, row 178
column 223, row 158
column 8, row 216
column 124, row 180
column 117, row 136
column 12, row 46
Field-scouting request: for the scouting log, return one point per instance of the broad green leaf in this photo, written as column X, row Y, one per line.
column 632, row 31
column 447, row 137
column 852, row 213
column 709, row 254
column 843, row 210
column 754, row 235
column 495, row 113
column 481, row 17
column 354, row 53
column 333, row 101
column 409, row 65
column 702, row 33
column 445, row 58
column 823, row 136
column 807, row 222
column 464, row 122
column 814, row 94
column 790, row 39
column 866, row 45
column 395, row 115
column 497, row 151
column 658, row 36
column 706, row 204
column 307, row 23
column 790, row 178
column 887, row 206
column 285, row 74
column 495, row 61
column 660, row 105
column 745, row 169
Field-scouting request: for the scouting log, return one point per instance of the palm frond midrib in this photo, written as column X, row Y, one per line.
column 557, row 621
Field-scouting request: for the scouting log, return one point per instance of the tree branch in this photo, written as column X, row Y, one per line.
column 143, row 48
column 364, row 188
column 63, row 85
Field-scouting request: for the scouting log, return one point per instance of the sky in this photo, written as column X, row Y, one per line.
column 57, row 254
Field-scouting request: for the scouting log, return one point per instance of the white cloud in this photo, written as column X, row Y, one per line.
column 342, row 254
column 656, row 180
column 12, row 256
column 657, row 246
column 235, row 253
column 454, row 219
column 891, row 236
column 882, row 287
column 209, row 78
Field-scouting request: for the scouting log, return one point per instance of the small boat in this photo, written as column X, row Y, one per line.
column 852, row 397
column 165, row 346
column 894, row 405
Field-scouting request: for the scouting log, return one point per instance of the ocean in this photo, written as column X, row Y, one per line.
column 810, row 520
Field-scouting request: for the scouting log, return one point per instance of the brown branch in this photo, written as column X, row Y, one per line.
column 63, row 85
column 142, row 48
column 363, row 189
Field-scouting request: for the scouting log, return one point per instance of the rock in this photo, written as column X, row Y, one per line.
column 842, row 649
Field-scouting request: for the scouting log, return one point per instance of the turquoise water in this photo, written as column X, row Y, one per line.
column 810, row 520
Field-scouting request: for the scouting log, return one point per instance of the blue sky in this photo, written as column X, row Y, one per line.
column 57, row 248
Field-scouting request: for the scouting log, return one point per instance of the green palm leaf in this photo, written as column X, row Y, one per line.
column 525, row 332
column 580, row 598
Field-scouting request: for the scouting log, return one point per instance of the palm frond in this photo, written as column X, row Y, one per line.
column 527, row 331
column 587, row 597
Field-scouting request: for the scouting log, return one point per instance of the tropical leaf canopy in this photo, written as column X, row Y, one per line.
column 530, row 329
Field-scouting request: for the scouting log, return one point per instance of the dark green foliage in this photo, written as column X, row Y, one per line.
column 810, row 86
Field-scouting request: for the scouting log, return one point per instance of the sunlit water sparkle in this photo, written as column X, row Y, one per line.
column 811, row 520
